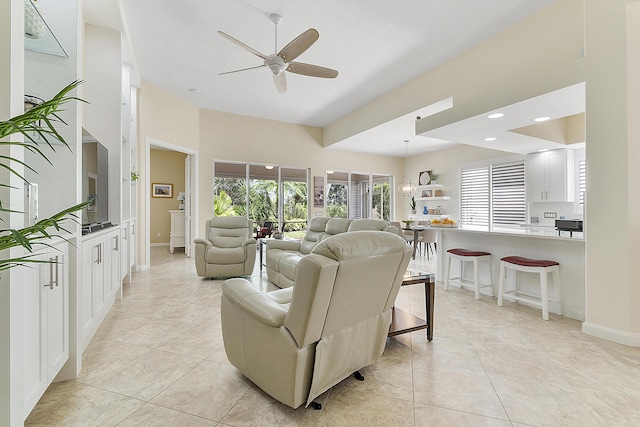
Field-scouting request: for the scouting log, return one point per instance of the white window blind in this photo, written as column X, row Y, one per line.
column 474, row 194
column 582, row 181
column 508, row 198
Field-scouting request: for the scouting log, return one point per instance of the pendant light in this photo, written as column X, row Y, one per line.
column 405, row 187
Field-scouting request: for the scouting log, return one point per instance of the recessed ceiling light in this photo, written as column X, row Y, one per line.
column 541, row 119
column 329, row 172
column 194, row 90
column 268, row 167
column 490, row 139
column 495, row 115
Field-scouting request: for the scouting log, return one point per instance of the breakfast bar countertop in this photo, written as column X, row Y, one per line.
column 534, row 231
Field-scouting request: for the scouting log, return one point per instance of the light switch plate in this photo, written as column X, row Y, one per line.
column 550, row 214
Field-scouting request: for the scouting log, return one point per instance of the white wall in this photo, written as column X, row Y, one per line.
column 103, row 88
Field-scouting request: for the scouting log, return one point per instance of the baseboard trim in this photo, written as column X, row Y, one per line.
column 620, row 337
column 153, row 245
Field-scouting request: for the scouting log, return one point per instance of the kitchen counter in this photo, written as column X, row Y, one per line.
column 535, row 231
column 538, row 242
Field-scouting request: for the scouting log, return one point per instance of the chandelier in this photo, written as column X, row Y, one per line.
column 405, row 187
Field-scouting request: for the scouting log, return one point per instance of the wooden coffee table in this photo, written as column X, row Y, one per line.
column 403, row 322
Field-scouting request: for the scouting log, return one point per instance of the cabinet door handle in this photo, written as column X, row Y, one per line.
column 541, row 195
column 546, row 194
column 54, row 277
column 50, row 284
column 99, row 254
column 116, row 241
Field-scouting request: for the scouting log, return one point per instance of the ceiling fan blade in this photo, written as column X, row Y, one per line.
column 298, row 45
column 280, row 82
column 242, row 45
column 312, row 70
column 242, row 69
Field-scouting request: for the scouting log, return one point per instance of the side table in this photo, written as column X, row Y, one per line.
column 403, row 322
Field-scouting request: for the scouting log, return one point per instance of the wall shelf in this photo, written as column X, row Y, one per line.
column 45, row 43
column 429, row 187
column 433, row 198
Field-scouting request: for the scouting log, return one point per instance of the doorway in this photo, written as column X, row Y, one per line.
column 182, row 197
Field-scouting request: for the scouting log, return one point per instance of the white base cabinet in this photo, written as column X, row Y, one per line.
column 176, row 237
column 101, row 281
column 46, row 320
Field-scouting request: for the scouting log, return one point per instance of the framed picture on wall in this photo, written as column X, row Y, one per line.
column 162, row 190
column 318, row 192
column 424, row 178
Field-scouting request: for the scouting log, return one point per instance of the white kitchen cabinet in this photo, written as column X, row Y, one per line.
column 124, row 251
column 176, row 237
column 100, row 282
column 550, row 176
column 132, row 243
column 46, row 320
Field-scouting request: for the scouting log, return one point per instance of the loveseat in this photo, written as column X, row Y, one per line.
column 283, row 255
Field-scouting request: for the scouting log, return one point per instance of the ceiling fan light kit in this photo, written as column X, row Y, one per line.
column 282, row 61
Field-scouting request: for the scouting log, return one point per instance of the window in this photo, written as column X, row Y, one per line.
column 508, row 198
column 262, row 193
column 337, row 194
column 493, row 194
column 582, row 181
column 474, row 196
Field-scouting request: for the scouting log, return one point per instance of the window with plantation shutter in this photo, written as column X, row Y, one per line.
column 508, row 197
column 582, row 181
column 474, row 195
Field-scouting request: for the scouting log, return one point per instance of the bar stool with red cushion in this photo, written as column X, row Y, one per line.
column 540, row 266
column 465, row 255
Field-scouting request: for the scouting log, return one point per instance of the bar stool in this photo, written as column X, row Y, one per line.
column 540, row 266
column 464, row 255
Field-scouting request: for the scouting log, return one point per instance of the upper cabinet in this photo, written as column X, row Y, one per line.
column 550, row 176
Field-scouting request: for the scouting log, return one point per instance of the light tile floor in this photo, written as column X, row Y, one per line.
column 158, row 360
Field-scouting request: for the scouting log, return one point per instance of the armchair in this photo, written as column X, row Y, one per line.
column 298, row 342
column 228, row 250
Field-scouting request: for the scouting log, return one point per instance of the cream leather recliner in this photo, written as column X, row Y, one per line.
column 296, row 343
column 229, row 250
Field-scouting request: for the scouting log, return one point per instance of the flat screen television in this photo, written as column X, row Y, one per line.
column 95, row 180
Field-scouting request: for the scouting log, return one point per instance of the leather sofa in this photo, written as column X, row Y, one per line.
column 283, row 255
column 298, row 342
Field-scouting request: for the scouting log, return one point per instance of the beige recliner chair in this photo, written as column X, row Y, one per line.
column 228, row 250
column 296, row 343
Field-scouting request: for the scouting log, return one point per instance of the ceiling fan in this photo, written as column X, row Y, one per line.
column 282, row 61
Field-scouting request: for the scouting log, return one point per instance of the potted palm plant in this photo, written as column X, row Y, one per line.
column 36, row 124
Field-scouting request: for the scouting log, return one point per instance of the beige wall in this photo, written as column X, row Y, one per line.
column 227, row 136
column 165, row 118
column 222, row 136
column 613, row 262
column 167, row 167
